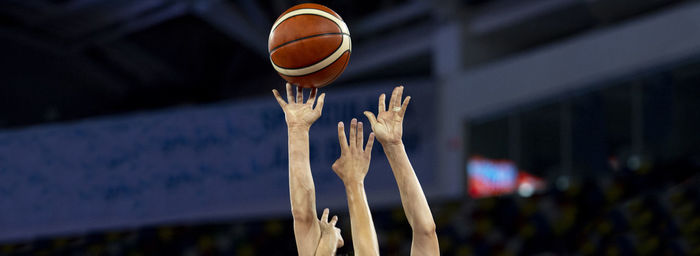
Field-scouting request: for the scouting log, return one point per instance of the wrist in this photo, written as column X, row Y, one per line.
column 297, row 128
column 393, row 147
column 351, row 184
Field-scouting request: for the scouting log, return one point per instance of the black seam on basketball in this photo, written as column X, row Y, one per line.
column 342, row 39
column 341, row 72
column 319, row 69
column 336, row 23
column 307, row 37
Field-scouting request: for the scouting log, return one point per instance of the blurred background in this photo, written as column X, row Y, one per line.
column 541, row 127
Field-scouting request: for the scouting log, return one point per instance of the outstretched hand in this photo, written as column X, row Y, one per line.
column 297, row 113
column 388, row 124
column 353, row 164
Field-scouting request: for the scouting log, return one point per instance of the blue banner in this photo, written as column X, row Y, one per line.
column 189, row 164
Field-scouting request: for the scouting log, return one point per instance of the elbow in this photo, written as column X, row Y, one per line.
column 425, row 229
column 302, row 216
column 302, row 204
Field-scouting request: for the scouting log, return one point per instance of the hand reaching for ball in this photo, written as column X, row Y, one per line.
column 388, row 124
column 353, row 164
column 297, row 113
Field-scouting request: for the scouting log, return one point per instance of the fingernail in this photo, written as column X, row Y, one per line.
column 359, row 123
column 340, row 124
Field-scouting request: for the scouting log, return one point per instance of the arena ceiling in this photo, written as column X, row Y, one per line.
column 64, row 60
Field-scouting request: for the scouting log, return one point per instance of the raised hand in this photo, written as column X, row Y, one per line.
column 388, row 124
column 353, row 164
column 300, row 116
column 388, row 127
column 352, row 167
column 297, row 113
column 330, row 236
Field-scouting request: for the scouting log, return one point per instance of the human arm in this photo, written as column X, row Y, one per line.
column 331, row 239
column 299, row 117
column 352, row 167
column 387, row 126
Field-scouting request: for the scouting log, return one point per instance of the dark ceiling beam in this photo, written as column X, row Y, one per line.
column 97, row 77
column 38, row 42
column 229, row 20
column 389, row 50
column 389, row 18
column 132, row 25
column 612, row 10
column 129, row 16
column 446, row 10
column 139, row 63
column 27, row 12
column 504, row 13
column 256, row 14
column 74, row 5
column 129, row 58
column 83, row 22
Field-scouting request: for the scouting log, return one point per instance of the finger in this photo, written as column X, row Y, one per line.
column 399, row 95
column 382, row 103
column 334, row 220
column 404, row 106
column 392, row 100
column 341, row 137
column 319, row 105
column 370, row 143
column 370, row 116
column 353, row 134
column 360, row 135
column 341, row 242
column 290, row 94
column 300, row 94
column 278, row 98
column 324, row 217
column 312, row 97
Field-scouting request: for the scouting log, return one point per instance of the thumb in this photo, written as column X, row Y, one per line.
column 372, row 119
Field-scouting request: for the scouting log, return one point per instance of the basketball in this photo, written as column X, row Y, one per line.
column 309, row 45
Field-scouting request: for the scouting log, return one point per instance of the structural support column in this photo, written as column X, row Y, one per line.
column 447, row 62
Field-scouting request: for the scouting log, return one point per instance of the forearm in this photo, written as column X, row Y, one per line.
column 302, row 193
column 364, row 236
column 301, row 184
column 412, row 197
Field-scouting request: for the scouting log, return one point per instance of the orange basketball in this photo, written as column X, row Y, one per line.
column 309, row 45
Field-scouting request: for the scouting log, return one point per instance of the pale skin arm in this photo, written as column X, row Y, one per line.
column 330, row 236
column 388, row 127
column 299, row 117
column 352, row 167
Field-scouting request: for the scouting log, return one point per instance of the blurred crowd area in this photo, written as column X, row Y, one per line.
column 643, row 212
